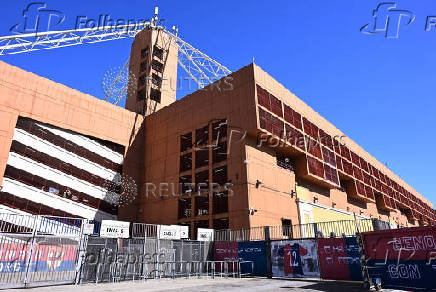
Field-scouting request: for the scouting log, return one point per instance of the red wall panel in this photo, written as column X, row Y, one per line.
column 263, row 98
column 276, row 105
column 315, row 167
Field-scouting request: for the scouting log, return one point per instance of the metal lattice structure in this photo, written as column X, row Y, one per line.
column 24, row 43
column 199, row 66
column 202, row 68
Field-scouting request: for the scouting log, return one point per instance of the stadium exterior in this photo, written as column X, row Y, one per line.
column 243, row 152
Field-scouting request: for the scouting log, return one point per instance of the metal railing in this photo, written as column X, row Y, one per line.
column 38, row 250
column 39, row 225
column 143, row 230
column 48, row 250
column 300, row 231
column 179, row 269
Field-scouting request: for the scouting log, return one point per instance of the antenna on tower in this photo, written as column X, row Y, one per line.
column 155, row 18
column 175, row 30
column 155, row 21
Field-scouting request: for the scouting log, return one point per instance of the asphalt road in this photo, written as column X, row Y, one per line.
column 206, row 285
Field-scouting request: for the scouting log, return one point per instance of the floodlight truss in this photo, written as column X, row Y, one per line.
column 202, row 68
column 199, row 66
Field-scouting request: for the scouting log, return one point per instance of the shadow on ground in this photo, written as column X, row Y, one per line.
column 326, row 286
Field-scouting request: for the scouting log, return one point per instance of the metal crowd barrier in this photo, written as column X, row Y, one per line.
column 175, row 269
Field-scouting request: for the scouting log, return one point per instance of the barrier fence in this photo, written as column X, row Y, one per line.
column 301, row 231
column 38, row 250
column 109, row 259
column 403, row 258
column 47, row 250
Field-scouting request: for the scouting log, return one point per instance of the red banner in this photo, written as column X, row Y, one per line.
column 400, row 244
column 18, row 252
column 333, row 259
column 226, row 251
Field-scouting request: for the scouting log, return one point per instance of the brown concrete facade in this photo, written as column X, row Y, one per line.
column 377, row 193
column 225, row 134
column 261, row 192
column 153, row 63
column 162, row 150
column 28, row 95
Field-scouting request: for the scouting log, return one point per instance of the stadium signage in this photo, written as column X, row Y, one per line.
column 114, row 229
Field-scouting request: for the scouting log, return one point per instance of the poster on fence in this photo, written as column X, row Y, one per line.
column 45, row 258
column 295, row 259
column 339, row 259
column 250, row 254
column 255, row 252
column 402, row 258
column 226, row 251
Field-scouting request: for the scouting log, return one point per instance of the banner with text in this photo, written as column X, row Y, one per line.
column 339, row 259
column 253, row 251
column 402, row 258
column 250, row 251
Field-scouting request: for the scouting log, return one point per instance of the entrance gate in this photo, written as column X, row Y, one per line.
column 38, row 250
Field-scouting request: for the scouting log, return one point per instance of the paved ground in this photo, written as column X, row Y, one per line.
column 206, row 285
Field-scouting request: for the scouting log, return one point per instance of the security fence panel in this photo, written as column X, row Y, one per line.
column 195, row 251
column 15, row 252
column 295, row 259
column 253, row 252
column 225, row 251
column 54, row 261
column 204, row 250
column 38, row 250
column 99, row 261
column 353, row 257
column 111, row 259
column 151, row 257
column 339, row 259
column 159, row 258
column 128, row 259
column 166, row 257
column 402, row 258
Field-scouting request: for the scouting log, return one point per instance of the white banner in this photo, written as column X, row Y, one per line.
column 204, row 234
column 184, row 231
column 169, row 232
column 114, row 229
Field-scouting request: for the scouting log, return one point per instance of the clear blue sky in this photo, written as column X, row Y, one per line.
column 380, row 92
